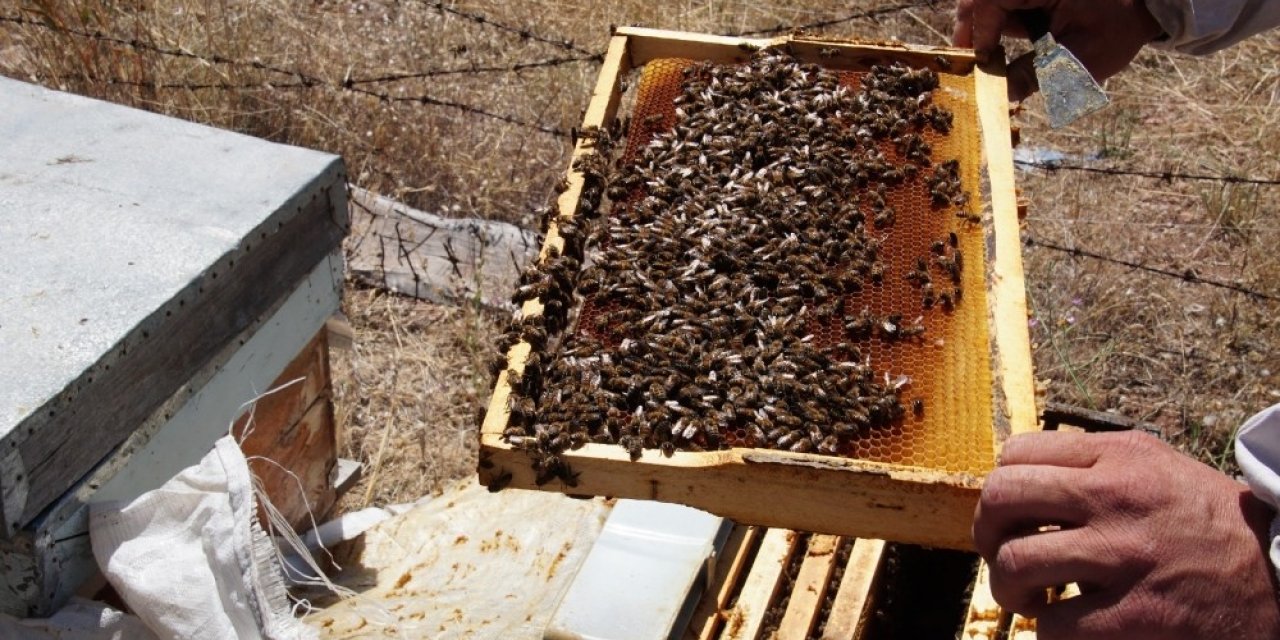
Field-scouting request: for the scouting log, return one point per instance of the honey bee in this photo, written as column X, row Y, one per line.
column 951, row 266
column 500, row 482
column 940, row 119
column 885, row 218
column 497, row 364
column 829, row 445
column 535, row 335
column 791, row 438
column 918, row 277
column 567, row 475
column 548, row 468
column 633, row 446
column 712, row 432
column 531, row 291
column 532, row 362
column 643, row 428
column 559, row 442
column 877, row 273
column 859, row 328
column 941, row 194
column 889, row 329
column 912, row 330
column 514, row 378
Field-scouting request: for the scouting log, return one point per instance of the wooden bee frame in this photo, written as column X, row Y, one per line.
column 806, row 492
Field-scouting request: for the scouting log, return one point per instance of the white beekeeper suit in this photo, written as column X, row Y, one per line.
column 1258, row 452
column 1205, row 26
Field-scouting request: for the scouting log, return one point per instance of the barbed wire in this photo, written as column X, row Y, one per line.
column 475, row 70
column 819, row 24
column 1186, row 275
column 139, row 45
column 1167, row 224
column 185, row 86
column 1163, row 176
column 303, row 79
column 524, row 33
column 461, row 106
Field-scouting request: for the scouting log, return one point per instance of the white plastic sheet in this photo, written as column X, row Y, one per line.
column 467, row 564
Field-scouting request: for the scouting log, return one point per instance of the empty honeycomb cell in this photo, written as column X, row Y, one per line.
column 948, row 369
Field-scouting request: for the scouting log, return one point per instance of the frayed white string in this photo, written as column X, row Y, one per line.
column 252, row 405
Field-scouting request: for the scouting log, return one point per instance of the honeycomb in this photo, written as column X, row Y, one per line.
column 950, row 370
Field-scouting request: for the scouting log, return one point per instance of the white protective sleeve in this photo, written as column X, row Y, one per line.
column 1204, row 26
column 1258, row 453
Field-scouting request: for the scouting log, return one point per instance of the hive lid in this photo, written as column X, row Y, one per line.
column 114, row 225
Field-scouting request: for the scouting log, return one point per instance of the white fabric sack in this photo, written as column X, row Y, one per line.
column 190, row 558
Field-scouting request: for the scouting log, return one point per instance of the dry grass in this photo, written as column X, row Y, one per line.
column 406, row 394
column 1195, row 360
column 1191, row 358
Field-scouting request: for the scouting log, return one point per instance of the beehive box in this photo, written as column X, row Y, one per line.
column 916, row 480
column 156, row 276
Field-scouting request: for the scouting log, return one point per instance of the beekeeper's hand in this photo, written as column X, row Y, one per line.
column 1162, row 547
column 1104, row 34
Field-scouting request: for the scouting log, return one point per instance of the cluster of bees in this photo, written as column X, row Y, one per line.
column 685, row 320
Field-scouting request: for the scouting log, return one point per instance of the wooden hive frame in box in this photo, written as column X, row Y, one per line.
column 767, row 584
column 805, row 492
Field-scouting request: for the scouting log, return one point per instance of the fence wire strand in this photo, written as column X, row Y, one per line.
column 820, row 24
column 475, row 69
column 1163, row 176
column 522, row 32
column 1187, row 275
